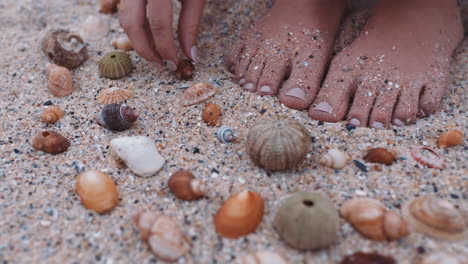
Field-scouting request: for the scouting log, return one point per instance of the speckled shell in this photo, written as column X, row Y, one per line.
column 367, row 258
column 51, row 114
column 428, row 157
column 50, row 142
column 64, row 48
column 379, row 155
column 197, row 93
column 109, row 6
column 225, row 134
column 307, row 220
column 115, row 65
column 95, row 27
column 444, row 258
column 185, row 70
column 122, row 43
column 450, row 138
column 59, row 80
column 261, row 257
column 114, row 95
column 185, row 186
column 211, row 114
column 97, row 191
column 436, row 218
column 117, row 117
column 335, row 159
column 278, row 143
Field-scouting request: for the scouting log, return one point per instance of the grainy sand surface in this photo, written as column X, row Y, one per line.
column 43, row 221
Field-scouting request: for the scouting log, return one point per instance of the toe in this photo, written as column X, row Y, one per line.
column 274, row 72
column 231, row 58
column 432, row 94
column 407, row 105
column 383, row 108
column 253, row 73
column 248, row 52
column 362, row 104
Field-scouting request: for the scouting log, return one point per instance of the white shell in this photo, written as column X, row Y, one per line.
column 139, row 153
column 335, row 159
column 94, row 28
column 122, row 43
column 261, row 257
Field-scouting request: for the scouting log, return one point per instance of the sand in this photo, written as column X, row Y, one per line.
column 43, row 221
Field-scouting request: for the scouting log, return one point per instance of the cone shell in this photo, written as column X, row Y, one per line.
column 278, row 143
column 211, row 114
column 114, row 95
column 428, row 157
column 185, row 70
column 64, row 48
column 97, row 191
column 197, row 93
column 436, row 218
column 450, row 138
column 59, row 80
column 239, row 215
column 51, row 114
column 185, row 186
column 50, row 142
column 95, row 27
column 117, row 117
column 122, row 43
column 367, row 258
column 379, row 155
column 335, row 159
column 261, row 257
column 115, row 65
column 109, row 6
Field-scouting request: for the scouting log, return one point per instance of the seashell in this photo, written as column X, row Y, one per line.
column 261, row 257
column 450, row 138
column 367, row 258
column 197, row 93
column 163, row 235
column 225, row 134
column 428, row 157
column 379, row 155
column 444, row 258
column 97, row 191
column 115, row 65
column 372, row 220
column 64, row 48
column 278, row 143
column 51, row 114
column 335, row 159
column 435, row 217
column 50, row 142
column 114, row 95
column 59, row 80
column 122, row 43
column 185, row 186
column 109, row 6
column 239, row 215
column 211, row 114
column 117, row 117
column 307, row 220
column 94, row 28
column 185, row 70
column 139, row 153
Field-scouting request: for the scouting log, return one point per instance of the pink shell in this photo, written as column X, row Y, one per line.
column 427, row 156
column 197, row 93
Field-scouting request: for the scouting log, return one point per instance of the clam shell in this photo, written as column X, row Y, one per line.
column 64, row 48
column 261, row 257
column 50, row 142
column 211, row 114
column 185, row 70
column 94, row 28
column 225, row 134
column 450, row 138
column 51, row 114
column 427, row 156
column 114, row 95
column 379, row 155
column 59, row 80
column 122, row 43
column 117, row 117
column 115, row 65
column 97, row 191
column 335, row 159
column 197, row 93
column 185, row 186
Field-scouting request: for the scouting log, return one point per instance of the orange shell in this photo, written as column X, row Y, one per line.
column 185, row 186
column 97, row 191
column 211, row 114
column 52, row 114
column 59, row 80
column 450, row 138
column 50, row 142
column 197, row 93
column 379, row 155
column 114, row 95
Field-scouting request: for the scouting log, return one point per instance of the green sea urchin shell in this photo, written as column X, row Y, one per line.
column 115, row 65
column 307, row 220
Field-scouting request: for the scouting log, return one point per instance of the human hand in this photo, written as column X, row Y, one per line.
column 148, row 25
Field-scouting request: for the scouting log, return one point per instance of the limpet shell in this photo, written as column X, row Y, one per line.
column 95, row 27
column 335, row 159
column 450, row 138
column 261, row 257
column 50, row 142
column 117, row 117
column 185, row 186
column 367, row 258
column 428, row 157
column 435, row 217
column 115, row 65
column 211, row 114
column 379, row 155
column 122, row 43
column 114, row 95
column 97, row 191
column 64, row 48
column 197, row 93
column 59, row 80
column 51, row 114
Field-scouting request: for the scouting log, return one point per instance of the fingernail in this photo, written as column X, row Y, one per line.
column 157, row 65
column 241, row 81
column 296, row 92
column 171, row 65
column 249, row 87
column 378, row 125
column 324, row 107
column 194, row 53
column 354, row 122
column 398, row 122
column 265, row 89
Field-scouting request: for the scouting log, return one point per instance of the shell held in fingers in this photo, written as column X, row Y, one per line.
column 59, row 80
column 211, row 114
column 50, row 142
column 261, row 257
column 450, row 138
column 197, row 93
column 115, row 65
column 428, row 157
column 185, row 70
column 114, row 95
column 109, row 6
column 97, row 191
column 225, row 134
column 122, row 43
column 64, row 48
column 51, row 114
column 117, row 117
column 185, row 186
column 335, row 159
column 379, row 155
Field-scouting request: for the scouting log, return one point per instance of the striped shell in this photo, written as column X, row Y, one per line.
column 114, row 95
column 197, row 93
column 427, row 156
column 117, row 117
column 64, row 48
column 278, row 143
column 51, row 114
column 59, row 80
column 225, row 134
column 115, row 65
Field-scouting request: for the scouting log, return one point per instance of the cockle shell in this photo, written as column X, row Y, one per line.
column 211, row 114
column 185, row 70
column 50, row 142
column 114, row 95
column 117, row 117
column 436, row 218
column 225, row 134
column 95, row 27
column 122, row 43
column 115, row 65
column 367, row 258
column 185, row 186
column 427, row 156
column 240, row 214
column 261, row 257
column 59, row 80
column 197, row 93
column 444, row 258
column 97, row 191
column 163, row 235
column 51, row 114
column 64, row 48
column 109, row 6
column 278, row 143
column 335, row 159
column 450, row 138
column 379, row 155
column 372, row 220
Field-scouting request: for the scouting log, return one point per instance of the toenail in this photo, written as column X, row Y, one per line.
column 171, row 65
column 324, row 107
column 249, row 86
column 265, row 89
column 354, row 122
column 194, row 53
column 241, row 81
column 296, row 92
column 398, row 122
column 378, row 125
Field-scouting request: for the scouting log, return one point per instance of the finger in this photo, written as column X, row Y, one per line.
column 189, row 22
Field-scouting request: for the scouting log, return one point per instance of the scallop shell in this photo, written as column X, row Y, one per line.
column 117, row 117
column 367, row 258
column 109, row 6
column 114, row 95
column 379, row 155
column 211, row 114
column 115, row 65
column 197, row 93
column 51, row 114
column 64, row 48
column 335, row 159
column 122, row 43
column 185, row 70
column 436, row 218
column 97, row 191
column 94, row 28
column 59, row 80
column 261, row 257
column 185, row 186
column 450, row 138
column 278, row 143
column 50, row 142
column 427, row 156
column 225, row 134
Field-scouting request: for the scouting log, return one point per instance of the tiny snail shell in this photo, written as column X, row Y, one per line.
column 197, row 93
column 59, row 80
column 278, row 143
column 115, row 65
column 95, row 27
column 261, row 257
column 367, row 258
column 51, row 114
column 372, row 220
column 450, row 138
column 240, row 214
column 444, row 258
column 379, row 155
column 225, row 134
column 64, row 48
column 122, row 43
column 211, row 114
column 50, row 142
column 114, row 95
column 109, row 6
column 436, row 218
column 335, row 159
column 163, row 234
column 97, row 191
column 185, row 70
column 185, row 186
column 117, row 117
column 428, row 157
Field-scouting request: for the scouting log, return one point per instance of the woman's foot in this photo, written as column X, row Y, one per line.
column 396, row 69
column 294, row 40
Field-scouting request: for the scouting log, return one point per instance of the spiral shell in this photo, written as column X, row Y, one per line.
column 185, row 186
column 450, row 138
column 436, row 218
column 59, row 80
column 367, row 258
column 211, row 114
column 372, row 220
column 50, row 142
column 109, row 6
column 261, row 257
column 51, row 114
column 64, row 48
column 197, row 93
column 335, row 159
column 428, row 157
column 225, row 134
column 115, row 65
column 117, row 117
column 122, row 43
column 94, row 28
column 444, row 258
column 97, row 191
column 114, row 95
column 185, row 70
column 379, row 155
column 278, row 143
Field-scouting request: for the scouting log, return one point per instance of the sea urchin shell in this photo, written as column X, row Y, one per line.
column 114, row 95
column 64, row 48
column 197, row 93
column 115, row 65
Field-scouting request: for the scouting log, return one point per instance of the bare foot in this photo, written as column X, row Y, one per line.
column 396, row 69
column 295, row 40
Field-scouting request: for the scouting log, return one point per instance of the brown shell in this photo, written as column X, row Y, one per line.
column 109, row 6
column 59, row 80
column 197, row 93
column 51, row 114
column 64, row 48
column 185, row 70
column 379, row 155
column 114, row 95
column 211, row 114
column 50, row 142
column 185, row 186
column 97, row 191
column 117, row 117
column 367, row 258
column 450, row 138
